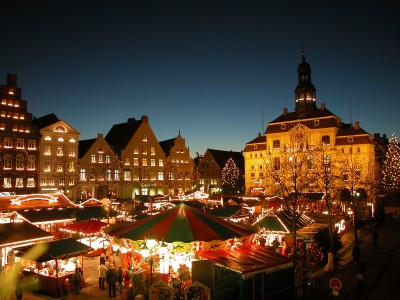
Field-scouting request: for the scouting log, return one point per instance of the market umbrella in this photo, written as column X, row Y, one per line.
column 85, row 227
column 182, row 223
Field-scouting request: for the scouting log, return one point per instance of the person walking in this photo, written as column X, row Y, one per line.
column 120, row 278
column 112, row 278
column 20, row 286
column 78, row 278
column 330, row 266
column 102, row 276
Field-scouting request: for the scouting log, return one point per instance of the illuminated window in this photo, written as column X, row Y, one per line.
column 108, row 175
column 10, row 92
column 19, row 163
column 160, row 162
column 7, row 162
column 60, row 139
column 153, row 176
column 31, row 145
column 326, row 140
column 8, row 143
column 160, row 176
column 7, row 182
column 59, row 166
column 16, row 103
column 116, row 174
column 47, row 138
column 144, row 138
column 108, row 159
column 153, row 162
column 135, row 177
column 71, row 181
column 19, row 182
column 20, row 144
column 60, row 151
column 71, row 152
column 50, row 181
column 152, row 150
column 135, row 161
column 43, row 181
column 144, row 150
column 127, row 175
column 144, row 162
column 60, row 181
column 2, row 126
column 316, row 122
column 100, row 158
column 71, row 140
column 30, row 182
column 47, row 150
column 83, row 174
column 60, row 128
column 93, row 158
column 136, row 150
column 31, row 162
column 71, row 167
column 47, row 166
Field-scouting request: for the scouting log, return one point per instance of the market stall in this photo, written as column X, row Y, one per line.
column 55, row 264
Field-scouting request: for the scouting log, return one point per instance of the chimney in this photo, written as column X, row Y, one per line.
column 357, row 125
column 145, row 119
column 131, row 120
column 322, row 106
column 99, row 135
column 285, row 111
column 11, row 79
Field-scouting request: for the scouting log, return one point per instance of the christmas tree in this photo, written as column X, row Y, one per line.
column 390, row 172
column 230, row 176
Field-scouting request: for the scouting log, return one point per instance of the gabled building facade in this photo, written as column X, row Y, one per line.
column 178, row 166
column 210, row 168
column 19, row 142
column 313, row 128
column 143, row 159
column 58, row 170
column 99, row 170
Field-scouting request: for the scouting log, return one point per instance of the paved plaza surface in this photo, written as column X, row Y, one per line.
column 382, row 270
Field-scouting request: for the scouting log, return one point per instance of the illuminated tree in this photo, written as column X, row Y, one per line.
column 290, row 173
column 230, row 177
column 390, row 172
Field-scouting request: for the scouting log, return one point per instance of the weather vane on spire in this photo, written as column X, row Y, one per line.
column 303, row 48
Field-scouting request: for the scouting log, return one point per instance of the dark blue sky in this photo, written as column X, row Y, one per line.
column 207, row 67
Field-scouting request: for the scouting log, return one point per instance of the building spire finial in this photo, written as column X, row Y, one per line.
column 303, row 56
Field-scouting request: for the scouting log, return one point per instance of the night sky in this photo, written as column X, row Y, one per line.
column 213, row 69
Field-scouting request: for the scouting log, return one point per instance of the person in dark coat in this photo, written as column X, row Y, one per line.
column 112, row 279
column 78, row 278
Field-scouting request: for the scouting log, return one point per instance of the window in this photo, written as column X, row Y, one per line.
column 7, row 182
column 135, row 161
column 60, row 151
column 71, row 140
column 47, row 166
column 31, row 162
column 83, row 174
column 50, row 181
column 276, row 144
column 144, row 150
column 127, row 175
column 144, row 162
column 19, row 182
column 100, row 158
column 350, row 139
column 19, row 163
column 71, row 181
column 20, row 144
column 7, row 162
column 108, row 159
column 252, row 176
column 316, row 122
column 71, row 152
column 59, row 166
column 326, row 140
column 135, row 177
column 60, row 139
column 47, row 150
column 144, row 139
column 108, row 175
column 30, row 182
column 152, row 151
column 93, row 158
column 345, row 177
column 152, row 162
column 71, row 167
column 255, row 147
column 7, row 143
column 60, row 128
column 160, row 162
column 47, row 138
column 136, row 150
column 116, row 174
column 42, row 181
column 160, row 176
column 283, row 126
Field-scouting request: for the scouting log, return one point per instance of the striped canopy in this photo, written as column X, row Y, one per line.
column 182, row 223
column 85, row 227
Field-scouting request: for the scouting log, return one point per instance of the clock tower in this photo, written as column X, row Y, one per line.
column 305, row 93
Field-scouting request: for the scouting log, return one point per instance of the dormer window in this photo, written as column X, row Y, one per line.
column 326, row 140
column 255, row 147
column 316, row 122
column 350, row 139
column 283, row 126
column 144, row 138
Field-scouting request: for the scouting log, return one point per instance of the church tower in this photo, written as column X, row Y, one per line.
column 305, row 93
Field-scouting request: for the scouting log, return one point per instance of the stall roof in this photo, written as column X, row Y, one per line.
column 46, row 215
column 249, row 259
column 17, row 232
column 85, row 227
column 92, row 212
column 59, row 249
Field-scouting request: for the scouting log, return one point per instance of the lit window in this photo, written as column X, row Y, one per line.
column 59, row 166
column 47, row 150
column 116, row 174
column 43, row 181
column 136, row 150
column 60, row 151
column 31, row 145
column 326, row 140
column 11, row 92
column 144, row 162
column 7, row 143
column 71, row 140
column 135, row 161
column 60, row 128
column 71, row 181
column 7, row 182
column 71, row 167
column 144, row 138
column 20, row 144
column 60, row 139
column 93, row 158
column 127, row 175
column 47, row 166
column 160, row 176
column 144, row 150
column 71, row 152
column 100, row 158
column 276, row 144
column 50, row 181
column 19, row 182
column 152, row 150
column 19, row 164
column 47, row 138
column 160, row 162
column 30, row 182
column 108, row 159
column 7, row 162
column 31, row 162
column 153, row 162
column 83, row 174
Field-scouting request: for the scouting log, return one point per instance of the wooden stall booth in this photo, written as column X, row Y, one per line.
column 55, row 264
